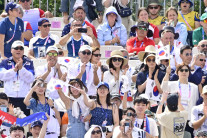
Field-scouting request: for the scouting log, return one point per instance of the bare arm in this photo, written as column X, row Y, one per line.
column 2, row 37
column 197, row 124
column 95, row 42
column 156, row 40
column 134, row 78
column 31, row 54
column 107, row 3
column 64, row 98
column 142, row 87
column 124, row 2
column 44, row 127
column 115, row 115
column 27, row 35
column 28, row 97
column 157, row 82
column 88, row 102
column 64, row 39
column 124, row 101
column 95, row 75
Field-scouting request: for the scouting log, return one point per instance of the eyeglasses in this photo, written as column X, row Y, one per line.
column 202, row 60
column 19, row 48
column 203, row 45
column 24, row 0
column 153, row 7
column 84, row 53
column 184, row 70
column 97, row 55
column 188, row 54
column 185, row 2
column 142, row 28
column 52, row 54
column 46, row 25
column 149, row 60
column 60, row 53
column 131, row 114
column 96, row 132
column 117, row 59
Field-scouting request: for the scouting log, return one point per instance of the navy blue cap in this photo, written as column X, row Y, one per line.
column 11, row 6
column 103, row 84
column 37, row 123
column 191, row 3
column 42, row 20
column 172, row 100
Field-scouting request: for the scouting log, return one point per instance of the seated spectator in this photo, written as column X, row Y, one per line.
column 189, row 18
column 142, row 15
column 75, row 39
column 79, row 14
column 172, row 20
column 112, row 31
column 17, row 72
column 39, row 44
column 151, row 75
column 76, row 109
column 35, row 129
column 200, row 33
column 154, row 7
column 27, row 34
column 173, row 121
column 140, row 42
column 33, row 15
column 84, row 70
column 16, row 131
column 11, row 29
column 95, row 132
column 116, row 99
column 103, row 112
column 169, row 37
column 118, row 79
column 133, row 132
column 199, row 114
column 188, row 91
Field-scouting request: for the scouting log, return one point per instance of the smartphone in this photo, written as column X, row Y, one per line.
column 82, row 30
column 126, row 126
column 3, row 108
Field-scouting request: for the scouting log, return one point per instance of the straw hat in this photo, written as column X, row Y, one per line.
column 150, row 55
column 148, row 49
column 118, row 54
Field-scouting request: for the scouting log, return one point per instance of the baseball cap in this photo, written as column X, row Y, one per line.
column 52, row 48
column 85, row 47
column 37, row 123
column 11, row 6
column 79, row 7
column 204, row 89
column 172, row 100
column 115, row 96
column 142, row 24
column 103, row 84
column 17, row 43
column 42, row 20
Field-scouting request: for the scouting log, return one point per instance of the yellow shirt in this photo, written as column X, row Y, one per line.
column 190, row 18
column 157, row 21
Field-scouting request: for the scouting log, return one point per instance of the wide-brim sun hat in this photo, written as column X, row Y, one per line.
column 148, row 49
column 154, row 2
column 150, row 55
column 117, row 54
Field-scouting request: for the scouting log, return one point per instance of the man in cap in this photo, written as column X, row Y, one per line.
column 35, row 128
column 85, row 71
column 154, row 8
column 17, row 72
column 200, row 33
column 75, row 39
column 11, row 29
column 199, row 114
column 173, row 121
column 39, row 44
column 137, row 44
column 80, row 14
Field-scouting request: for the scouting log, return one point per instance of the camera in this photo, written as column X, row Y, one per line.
column 82, row 30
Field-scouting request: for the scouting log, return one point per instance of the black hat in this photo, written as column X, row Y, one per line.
column 172, row 100
column 142, row 24
column 169, row 29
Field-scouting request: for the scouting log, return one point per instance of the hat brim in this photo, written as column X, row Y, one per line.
column 176, row 34
column 191, row 3
column 118, row 56
column 150, row 55
column 155, row 4
column 142, row 53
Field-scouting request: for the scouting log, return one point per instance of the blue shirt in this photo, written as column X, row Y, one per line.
column 66, row 29
column 7, row 29
column 38, row 107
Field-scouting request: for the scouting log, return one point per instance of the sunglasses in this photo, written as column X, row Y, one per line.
column 185, row 2
column 188, row 54
column 131, row 114
column 60, row 53
column 25, row 0
column 52, row 54
column 117, row 59
column 46, row 25
column 149, row 60
column 205, row 20
column 184, row 70
column 153, row 7
column 142, row 28
column 96, row 132
column 84, row 53
column 203, row 45
column 97, row 55
column 202, row 60
column 19, row 48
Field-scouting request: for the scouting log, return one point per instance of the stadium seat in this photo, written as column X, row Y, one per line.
column 58, row 33
column 106, row 50
column 57, row 23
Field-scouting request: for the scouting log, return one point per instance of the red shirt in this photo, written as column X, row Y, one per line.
column 155, row 30
column 133, row 44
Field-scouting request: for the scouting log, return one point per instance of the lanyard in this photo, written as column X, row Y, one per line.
column 103, row 111
column 15, row 26
column 135, row 44
column 172, row 50
column 203, row 34
column 186, row 21
column 47, row 39
column 83, row 23
column 189, row 95
column 73, row 45
column 87, row 76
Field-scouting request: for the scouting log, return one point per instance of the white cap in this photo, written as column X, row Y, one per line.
column 17, row 43
column 85, row 47
column 50, row 48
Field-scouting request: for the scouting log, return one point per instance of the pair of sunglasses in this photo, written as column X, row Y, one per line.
column 96, row 132
column 52, row 54
column 203, row 45
column 131, row 114
column 97, row 55
column 117, row 59
column 202, row 60
column 84, row 53
column 19, row 48
column 46, row 25
column 149, row 60
column 184, row 70
column 153, row 7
